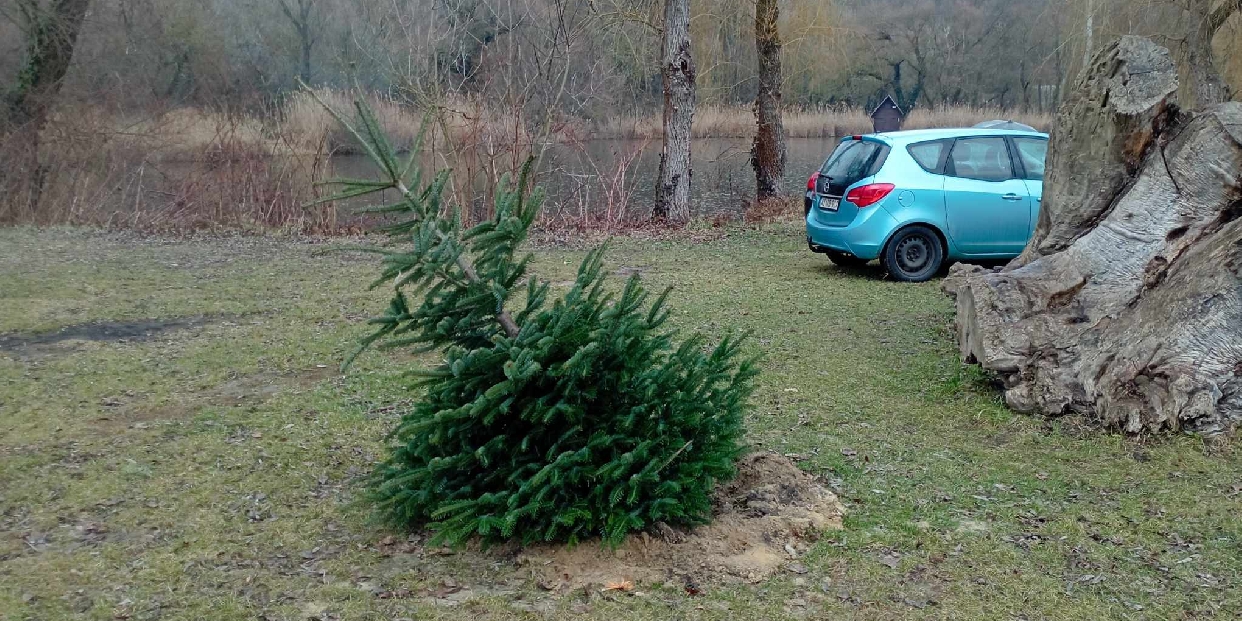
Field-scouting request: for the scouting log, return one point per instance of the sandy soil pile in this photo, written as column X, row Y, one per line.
column 763, row 520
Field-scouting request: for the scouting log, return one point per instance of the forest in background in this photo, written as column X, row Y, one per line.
column 219, row 82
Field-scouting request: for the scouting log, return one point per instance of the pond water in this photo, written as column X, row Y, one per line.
column 584, row 176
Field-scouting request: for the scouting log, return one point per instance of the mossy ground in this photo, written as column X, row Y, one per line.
column 211, row 468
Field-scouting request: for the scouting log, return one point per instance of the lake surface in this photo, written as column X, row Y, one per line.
column 584, row 176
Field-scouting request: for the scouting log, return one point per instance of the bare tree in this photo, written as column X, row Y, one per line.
column 767, row 154
column 677, row 69
column 301, row 14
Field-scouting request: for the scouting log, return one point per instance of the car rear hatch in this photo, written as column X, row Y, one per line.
column 855, row 159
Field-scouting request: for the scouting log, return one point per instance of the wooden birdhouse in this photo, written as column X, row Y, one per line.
column 887, row 116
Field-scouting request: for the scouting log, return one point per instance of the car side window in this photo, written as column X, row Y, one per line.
column 930, row 155
column 984, row 159
column 1032, row 152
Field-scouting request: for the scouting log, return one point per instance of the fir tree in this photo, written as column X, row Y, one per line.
column 577, row 417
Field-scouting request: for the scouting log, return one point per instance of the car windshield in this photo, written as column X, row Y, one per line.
column 1033, row 151
column 851, row 161
column 1001, row 124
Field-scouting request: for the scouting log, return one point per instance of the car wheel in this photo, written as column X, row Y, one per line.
column 914, row 254
column 845, row 260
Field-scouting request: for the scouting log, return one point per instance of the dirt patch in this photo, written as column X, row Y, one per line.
column 131, row 410
column 259, row 387
column 629, row 270
column 106, row 331
column 763, row 520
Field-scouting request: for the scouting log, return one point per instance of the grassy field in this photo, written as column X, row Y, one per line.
column 176, row 442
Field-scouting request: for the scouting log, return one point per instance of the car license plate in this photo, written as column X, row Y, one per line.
column 829, row 204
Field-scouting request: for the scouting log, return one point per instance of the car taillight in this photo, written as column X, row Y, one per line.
column 810, row 183
column 870, row 194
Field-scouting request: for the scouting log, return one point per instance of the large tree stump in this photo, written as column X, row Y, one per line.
column 1126, row 306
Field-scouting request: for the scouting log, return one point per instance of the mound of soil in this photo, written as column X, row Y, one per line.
column 763, row 520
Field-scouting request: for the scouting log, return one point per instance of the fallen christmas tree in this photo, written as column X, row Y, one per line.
column 561, row 421
column 1126, row 306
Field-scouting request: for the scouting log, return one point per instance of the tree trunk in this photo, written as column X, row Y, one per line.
column 51, row 39
column 300, row 17
column 767, row 154
column 306, row 55
column 1127, row 306
column 50, row 42
column 677, row 68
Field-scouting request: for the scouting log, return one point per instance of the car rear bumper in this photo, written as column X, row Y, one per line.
column 863, row 238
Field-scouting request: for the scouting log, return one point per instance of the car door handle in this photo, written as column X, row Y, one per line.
column 1011, row 197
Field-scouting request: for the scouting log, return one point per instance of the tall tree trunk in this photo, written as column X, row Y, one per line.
column 677, row 68
column 306, row 55
column 50, row 41
column 300, row 17
column 767, row 154
column 1126, row 307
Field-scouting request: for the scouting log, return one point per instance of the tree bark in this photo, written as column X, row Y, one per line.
column 1103, row 131
column 767, row 154
column 1088, row 48
column 1204, row 85
column 677, row 67
column 1127, row 307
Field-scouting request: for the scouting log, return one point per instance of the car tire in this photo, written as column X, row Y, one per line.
column 845, row 260
column 913, row 254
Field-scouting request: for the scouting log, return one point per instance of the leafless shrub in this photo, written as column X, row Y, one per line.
column 777, row 209
column 177, row 171
column 602, row 197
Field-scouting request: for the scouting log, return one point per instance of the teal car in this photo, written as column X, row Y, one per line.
column 916, row 200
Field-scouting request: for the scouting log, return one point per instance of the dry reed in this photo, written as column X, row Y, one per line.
column 192, row 168
column 182, row 170
column 308, row 128
column 739, row 122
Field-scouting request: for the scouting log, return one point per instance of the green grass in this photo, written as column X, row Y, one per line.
column 212, row 471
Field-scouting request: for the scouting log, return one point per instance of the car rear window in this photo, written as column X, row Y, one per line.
column 929, row 155
column 854, row 160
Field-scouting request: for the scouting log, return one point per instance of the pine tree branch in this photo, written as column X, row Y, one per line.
column 674, row 455
column 502, row 316
column 379, row 152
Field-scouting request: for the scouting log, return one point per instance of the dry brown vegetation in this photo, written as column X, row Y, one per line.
column 739, row 121
column 194, row 168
